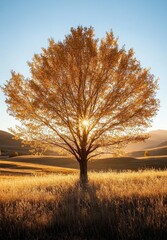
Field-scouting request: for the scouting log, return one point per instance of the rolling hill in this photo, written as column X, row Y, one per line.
column 157, row 151
column 24, row 165
column 13, row 166
column 8, row 144
column 163, row 144
column 157, row 138
column 30, row 164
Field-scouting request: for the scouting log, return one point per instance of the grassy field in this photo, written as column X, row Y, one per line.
column 127, row 205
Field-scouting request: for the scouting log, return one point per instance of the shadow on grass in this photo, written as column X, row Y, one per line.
column 79, row 214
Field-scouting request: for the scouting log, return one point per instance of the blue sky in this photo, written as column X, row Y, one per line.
column 25, row 27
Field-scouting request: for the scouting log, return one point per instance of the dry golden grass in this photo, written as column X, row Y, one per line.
column 124, row 184
column 127, row 205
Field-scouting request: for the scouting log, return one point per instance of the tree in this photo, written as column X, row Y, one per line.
column 146, row 153
column 83, row 95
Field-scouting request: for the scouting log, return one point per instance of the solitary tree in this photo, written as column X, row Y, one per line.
column 83, row 95
column 146, row 153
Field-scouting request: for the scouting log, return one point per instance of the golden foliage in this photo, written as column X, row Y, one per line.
column 83, row 79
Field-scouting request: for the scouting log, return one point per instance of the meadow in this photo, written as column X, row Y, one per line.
column 124, row 205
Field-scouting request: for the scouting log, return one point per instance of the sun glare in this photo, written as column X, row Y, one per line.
column 85, row 122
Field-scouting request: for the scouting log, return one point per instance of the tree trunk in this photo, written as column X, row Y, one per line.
column 83, row 171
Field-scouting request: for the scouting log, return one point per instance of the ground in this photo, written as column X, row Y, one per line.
column 42, row 198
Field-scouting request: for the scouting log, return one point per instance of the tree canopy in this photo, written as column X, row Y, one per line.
column 83, row 95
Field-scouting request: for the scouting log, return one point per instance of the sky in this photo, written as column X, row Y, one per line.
column 26, row 26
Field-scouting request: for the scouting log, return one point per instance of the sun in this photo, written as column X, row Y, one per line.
column 85, row 122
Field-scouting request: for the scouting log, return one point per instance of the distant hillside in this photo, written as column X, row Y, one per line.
column 162, row 144
column 158, row 151
column 7, row 138
column 9, row 144
column 157, row 138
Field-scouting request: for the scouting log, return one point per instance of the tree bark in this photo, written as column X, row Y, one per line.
column 83, row 171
